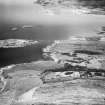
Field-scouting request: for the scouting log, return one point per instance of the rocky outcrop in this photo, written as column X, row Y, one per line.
column 88, row 51
column 83, row 57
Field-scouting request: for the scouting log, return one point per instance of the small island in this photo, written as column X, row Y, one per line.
column 15, row 43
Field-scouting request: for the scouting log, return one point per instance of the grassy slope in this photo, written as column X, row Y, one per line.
column 24, row 78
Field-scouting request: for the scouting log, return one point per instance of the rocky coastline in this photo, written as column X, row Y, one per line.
column 64, row 78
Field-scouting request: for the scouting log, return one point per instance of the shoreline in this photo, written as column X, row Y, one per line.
column 32, row 53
